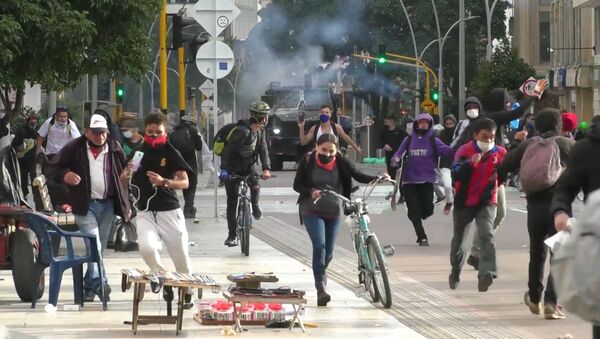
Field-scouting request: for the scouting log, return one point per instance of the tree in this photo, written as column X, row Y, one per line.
column 55, row 42
column 505, row 70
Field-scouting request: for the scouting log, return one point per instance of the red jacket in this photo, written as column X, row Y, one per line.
column 476, row 184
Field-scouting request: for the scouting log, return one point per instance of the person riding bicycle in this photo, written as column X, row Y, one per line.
column 324, row 168
column 246, row 144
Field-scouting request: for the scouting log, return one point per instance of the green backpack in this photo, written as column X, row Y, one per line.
column 222, row 137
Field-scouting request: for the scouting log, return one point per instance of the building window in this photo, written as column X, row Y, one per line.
column 544, row 2
column 544, row 37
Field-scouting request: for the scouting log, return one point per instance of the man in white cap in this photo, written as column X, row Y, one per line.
column 95, row 168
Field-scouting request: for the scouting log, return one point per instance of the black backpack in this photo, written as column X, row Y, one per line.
column 181, row 139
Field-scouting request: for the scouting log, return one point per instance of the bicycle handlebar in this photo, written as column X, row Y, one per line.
column 366, row 195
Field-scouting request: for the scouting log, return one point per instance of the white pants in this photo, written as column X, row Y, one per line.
column 444, row 179
column 168, row 226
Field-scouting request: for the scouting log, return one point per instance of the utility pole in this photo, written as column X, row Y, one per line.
column 182, row 89
column 163, row 56
column 461, row 59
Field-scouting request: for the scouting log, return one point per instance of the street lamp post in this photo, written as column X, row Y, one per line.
column 441, row 67
column 412, row 33
column 489, row 11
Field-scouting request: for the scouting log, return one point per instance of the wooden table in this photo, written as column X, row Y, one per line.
column 246, row 299
column 139, row 287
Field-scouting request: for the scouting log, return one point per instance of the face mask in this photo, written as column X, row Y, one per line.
column 325, row 158
column 472, row 113
column 32, row 124
column 324, row 117
column 61, row 123
column 127, row 134
column 485, row 146
column 154, row 142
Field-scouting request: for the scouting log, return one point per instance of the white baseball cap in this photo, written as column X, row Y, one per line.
column 97, row 122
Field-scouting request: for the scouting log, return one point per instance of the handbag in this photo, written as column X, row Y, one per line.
column 126, row 239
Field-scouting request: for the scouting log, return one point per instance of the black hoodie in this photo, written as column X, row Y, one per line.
column 582, row 173
column 498, row 114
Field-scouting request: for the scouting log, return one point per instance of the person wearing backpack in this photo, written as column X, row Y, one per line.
column 418, row 156
column 186, row 139
column 56, row 132
column 244, row 145
column 325, row 126
column 540, row 161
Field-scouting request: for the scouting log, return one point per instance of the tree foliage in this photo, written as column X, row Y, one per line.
column 55, row 42
column 505, row 70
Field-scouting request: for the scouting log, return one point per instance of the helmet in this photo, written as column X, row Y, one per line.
column 259, row 109
column 584, row 125
column 189, row 118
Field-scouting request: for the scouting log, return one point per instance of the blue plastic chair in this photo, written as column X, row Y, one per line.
column 45, row 228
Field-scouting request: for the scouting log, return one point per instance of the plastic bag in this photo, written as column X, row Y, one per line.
column 126, row 239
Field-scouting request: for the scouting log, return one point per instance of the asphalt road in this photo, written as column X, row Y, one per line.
column 502, row 304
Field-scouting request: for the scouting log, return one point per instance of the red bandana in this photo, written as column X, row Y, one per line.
column 328, row 166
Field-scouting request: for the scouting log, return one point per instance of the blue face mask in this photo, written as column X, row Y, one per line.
column 324, row 117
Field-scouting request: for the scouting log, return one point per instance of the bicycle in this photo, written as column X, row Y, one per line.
column 244, row 211
column 371, row 263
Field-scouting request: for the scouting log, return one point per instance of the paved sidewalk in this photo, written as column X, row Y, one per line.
column 346, row 316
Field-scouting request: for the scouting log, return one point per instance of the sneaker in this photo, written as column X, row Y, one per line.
column 88, row 295
column 453, row 280
column 533, row 307
column 323, row 298
column 485, row 281
column 256, row 212
column 552, row 312
column 448, row 208
column 168, row 293
column 107, row 290
column 473, row 262
column 439, row 200
column 423, row 242
column 231, row 241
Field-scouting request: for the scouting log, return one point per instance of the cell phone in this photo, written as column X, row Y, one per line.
column 300, row 116
column 137, row 160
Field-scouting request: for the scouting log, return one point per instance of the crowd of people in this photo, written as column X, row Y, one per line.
column 465, row 164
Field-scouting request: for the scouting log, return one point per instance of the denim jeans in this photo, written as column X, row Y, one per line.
column 98, row 222
column 322, row 233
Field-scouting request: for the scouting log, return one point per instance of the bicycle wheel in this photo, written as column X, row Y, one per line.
column 245, row 229
column 379, row 271
column 367, row 277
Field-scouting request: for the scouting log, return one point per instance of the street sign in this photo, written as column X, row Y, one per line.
column 528, row 86
column 205, row 59
column 207, row 88
column 207, row 106
column 428, row 105
column 214, row 16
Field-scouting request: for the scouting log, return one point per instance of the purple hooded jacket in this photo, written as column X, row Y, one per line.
column 421, row 165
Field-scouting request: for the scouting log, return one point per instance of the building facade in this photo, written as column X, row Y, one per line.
column 557, row 38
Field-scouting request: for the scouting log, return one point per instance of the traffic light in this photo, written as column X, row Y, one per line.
column 191, row 92
column 119, row 92
column 381, row 58
column 179, row 38
column 193, row 46
column 435, row 96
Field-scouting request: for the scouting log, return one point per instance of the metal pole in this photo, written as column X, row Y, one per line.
column 215, row 120
column 461, row 59
column 441, row 65
column 94, row 93
column 412, row 33
column 163, row 57
column 181, row 64
column 141, row 102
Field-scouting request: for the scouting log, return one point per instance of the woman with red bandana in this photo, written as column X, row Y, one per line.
column 324, row 168
column 161, row 172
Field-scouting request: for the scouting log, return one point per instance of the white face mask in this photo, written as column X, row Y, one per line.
column 472, row 113
column 485, row 146
column 127, row 134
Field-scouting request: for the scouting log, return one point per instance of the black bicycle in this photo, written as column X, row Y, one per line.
column 244, row 211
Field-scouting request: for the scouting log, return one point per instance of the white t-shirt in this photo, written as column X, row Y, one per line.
column 58, row 135
column 98, row 173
